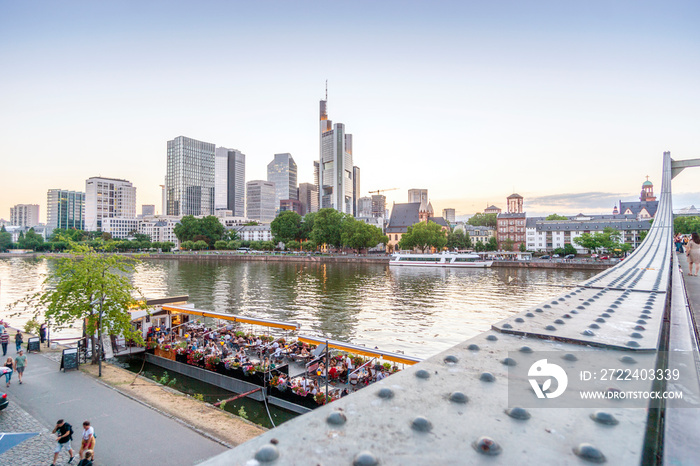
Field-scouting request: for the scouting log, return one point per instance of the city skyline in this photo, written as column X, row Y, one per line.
column 570, row 106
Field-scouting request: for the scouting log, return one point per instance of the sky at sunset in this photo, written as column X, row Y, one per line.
column 570, row 104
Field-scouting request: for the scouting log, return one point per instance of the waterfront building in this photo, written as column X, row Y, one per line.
column 406, row 215
column 24, row 215
column 492, row 209
column 108, row 198
column 65, row 209
column 335, row 170
column 511, row 225
column 449, row 215
column 364, row 207
column 229, row 180
column 260, row 200
column 645, row 208
column 355, row 190
column 476, row 233
column 418, row 195
column 547, row 235
column 189, row 180
column 160, row 229
column 260, row 232
column 292, row 205
column 282, row 171
column 120, row 227
column 378, row 205
column 308, row 196
column 148, row 210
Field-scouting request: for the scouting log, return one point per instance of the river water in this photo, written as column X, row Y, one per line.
column 419, row 311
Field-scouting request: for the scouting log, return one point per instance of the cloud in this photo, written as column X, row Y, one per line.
column 575, row 202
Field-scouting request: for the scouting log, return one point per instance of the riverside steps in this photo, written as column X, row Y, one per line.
column 472, row 404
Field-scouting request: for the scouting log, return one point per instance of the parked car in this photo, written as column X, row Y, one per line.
column 545, row 257
column 569, row 256
column 604, row 257
column 4, row 401
column 555, row 256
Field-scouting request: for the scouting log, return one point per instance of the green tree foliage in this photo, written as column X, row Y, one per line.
column 609, row 240
column 187, row 245
column 556, row 217
column 327, row 227
column 491, row 245
column 221, row 244
column 31, row 240
column 92, row 288
column 231, row 235
column 233, row 245
column 522, row 247
column 423, row 236
column 207, row 229
column 483, row 220
column 565, row 251
column 309, row 245
column 686, row 225
column 200, row 245
column 293, row 245
column 5, row 239
column 458, row 240
column 287, row 227
column 360, row 235
column 507, row 245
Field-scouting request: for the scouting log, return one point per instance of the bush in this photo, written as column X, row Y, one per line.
column 242, row 413
column 198, row 396
column 32, row 326
column 222, row 405
column 219, row 245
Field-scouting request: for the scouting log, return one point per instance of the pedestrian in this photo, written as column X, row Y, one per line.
column 4, row 341
column 87, row 461
column 692, row 251
column 10, row 367
column 42, row 332
column 18, row 341
column 88, row 442
column 20, row 365
column 64, row 432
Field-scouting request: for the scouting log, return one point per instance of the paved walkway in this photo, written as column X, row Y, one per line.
column 692, row 288
column 127, row 432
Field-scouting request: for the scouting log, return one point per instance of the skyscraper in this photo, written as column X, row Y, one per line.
column 229, row 173
column 24, row 215
column 108, row 198
column 308, row 195
column 355, row 190
column 378, row 205
column 260, row 200
column 418, row 195
column 364, row 207
column 189, row 182
column 283, row 172
column 449, row 215
column 336, row 165
column 65, row 209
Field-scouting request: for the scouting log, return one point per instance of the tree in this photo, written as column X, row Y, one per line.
column 31, row 240
column 208, row 229
column 293, row 245
column 587, row 241
column 200, row 245
column 483, row 220
column 286, row 227
column 233, row 245
column 423, row 236
column 360, row 235
column 479, row 246
column 221, row 245
column 458, row 240
column 508, row 244
column 5, row 239
column 327, row 227
column 91, row 288
column 309, row 245
column 491, row 245
column 556, row 217
column 522, row 247
column 187, row 245
column 686, row 225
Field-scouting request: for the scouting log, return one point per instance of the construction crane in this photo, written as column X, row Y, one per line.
column 378, row 191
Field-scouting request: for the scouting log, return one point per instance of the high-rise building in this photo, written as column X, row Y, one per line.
column 229, row 189
column 317, row 170
column 65, row 209
column 364, row 207
column 355, row 189
column 418, row 195
column 308, row 196
column 283, row 172
column 336, row 165
column 108, row 198
column 24, row 215
column 260, row 200
column 292, row 205
column 163, row 199
column 148, row 210
column 449, row 215
column 378, row 205
column 189, row 180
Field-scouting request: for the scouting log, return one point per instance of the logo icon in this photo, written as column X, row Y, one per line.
column 543, row 369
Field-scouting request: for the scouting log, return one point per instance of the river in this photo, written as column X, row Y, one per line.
column 419, row 311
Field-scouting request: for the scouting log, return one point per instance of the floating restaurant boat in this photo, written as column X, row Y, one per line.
column 444, row 259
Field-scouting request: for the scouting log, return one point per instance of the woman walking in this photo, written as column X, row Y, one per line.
column 9, row 368
column 692, row 251
column 88, row 442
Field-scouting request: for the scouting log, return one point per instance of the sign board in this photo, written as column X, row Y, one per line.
column 69, row 359
column 34, row 344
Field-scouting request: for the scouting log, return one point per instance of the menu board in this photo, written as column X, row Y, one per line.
column 33, row 344
column 69, row 359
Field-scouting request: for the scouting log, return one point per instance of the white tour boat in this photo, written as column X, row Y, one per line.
column 445, row 259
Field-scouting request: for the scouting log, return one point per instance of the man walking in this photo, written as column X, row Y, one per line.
column 4, row 341
column 20, row 364
column 65, row 435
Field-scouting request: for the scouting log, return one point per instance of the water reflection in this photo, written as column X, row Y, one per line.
column 416, row 310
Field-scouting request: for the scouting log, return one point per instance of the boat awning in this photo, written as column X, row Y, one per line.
column 232, row 317
column 364, row 351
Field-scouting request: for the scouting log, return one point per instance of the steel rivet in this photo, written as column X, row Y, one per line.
column 336, row 418
column 594, row 326
column 588, row 333
column 559, row 321
column 574, row 311
column 508, row 362
column 451, row 359
column 646, row 312
column 518, row 413
column 580, row 307
column 507, row 325
column 458, row 397
column 473, row 347
column 539, row 310
column 267, row 454
column 590, row 453
column 586, row 304
column 365, row 458
column 550, row 327
column 421, row 424
column 486, row 446
column 605, row 314
column 487, row 377
column 602, row 417
column 639, row 327
column 614, row 306
column 525, row 349
column 492, row 338
column 567, row 316
column 570, row 357
column 562, row 299
column 519, row 319
column 422, row 374
column 636, row 335
column 385, row 393
column 628, row 360
column 600, row 319
column 529, row 314
column 610, row 311
column 633, row 344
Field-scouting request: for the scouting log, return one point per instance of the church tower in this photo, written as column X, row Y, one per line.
column 647, row 194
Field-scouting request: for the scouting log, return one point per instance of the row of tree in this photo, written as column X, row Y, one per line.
column 609, row 240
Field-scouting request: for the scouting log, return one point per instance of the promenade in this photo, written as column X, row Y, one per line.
column 127, row 432
column 692, row 289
